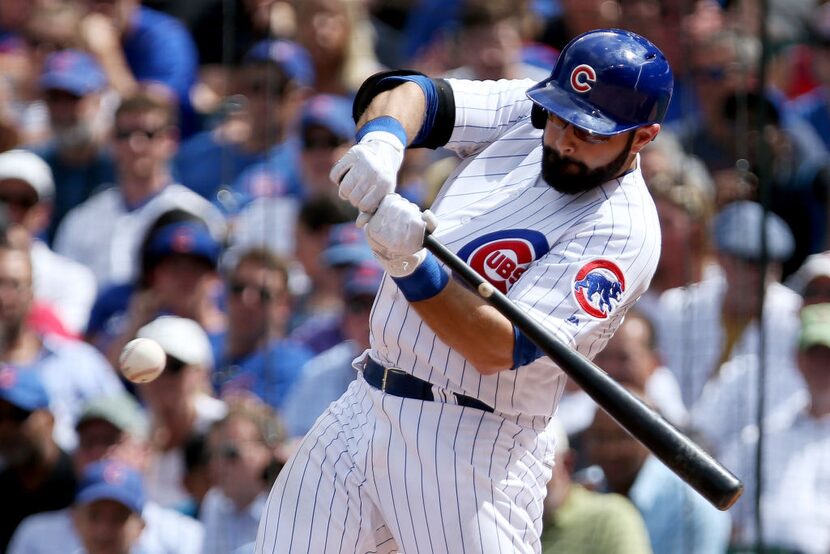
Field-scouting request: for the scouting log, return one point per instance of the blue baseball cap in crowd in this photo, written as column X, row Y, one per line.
column 23, row 389
column 74, row 72
column 347, row 246
column 111, row 480
column 289, row 56
column 330, row 112
column 363, row 279
column 187, row 238
column 737, row 232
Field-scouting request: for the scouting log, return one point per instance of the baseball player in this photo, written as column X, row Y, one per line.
column 443, row 442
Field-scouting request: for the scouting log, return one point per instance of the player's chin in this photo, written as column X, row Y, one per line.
column 569, row 183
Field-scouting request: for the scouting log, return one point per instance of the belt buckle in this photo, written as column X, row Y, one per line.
column 386, row 371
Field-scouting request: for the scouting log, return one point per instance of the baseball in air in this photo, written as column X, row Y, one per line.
column 142, row 360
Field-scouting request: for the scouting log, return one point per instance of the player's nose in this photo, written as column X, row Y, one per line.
column 562, row 140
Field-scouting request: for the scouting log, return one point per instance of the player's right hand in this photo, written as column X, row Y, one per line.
column 369, row 170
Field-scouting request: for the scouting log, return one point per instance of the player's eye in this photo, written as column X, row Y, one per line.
column 582, row 134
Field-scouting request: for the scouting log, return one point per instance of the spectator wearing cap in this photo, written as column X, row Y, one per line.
column 245, row 459
column 179, row 403
column 323, row 309
column 27, row 191
column 106, row 516
column 72, row 371
column 327, row 376
column 796, row 463
column 326, row 130
column 271, row 192
column 145, row 141
column 254, row 354
column 113, row 429
column 178, row 276
column 702, row 327
column 74, row 88
column 137, row 45
column 273, row 78
column 37, row 475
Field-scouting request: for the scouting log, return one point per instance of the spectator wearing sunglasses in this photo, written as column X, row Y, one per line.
column 27, row 191
column 37, row 474
column 105, row 232
column 325, row 131
column 179, row 403
column 271, row 82
column 254, row 354
column 272, row 192
column 245, row 457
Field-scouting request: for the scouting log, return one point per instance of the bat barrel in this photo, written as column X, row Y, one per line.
column 683, row 456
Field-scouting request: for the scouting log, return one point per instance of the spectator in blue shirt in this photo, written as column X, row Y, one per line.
column 326, row 130
column 135, row 44
column 326, row 377
column 273, row 79
column 253, row 354
column 73, row 86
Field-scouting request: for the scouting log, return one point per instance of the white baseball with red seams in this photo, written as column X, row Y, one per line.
column 142, row 360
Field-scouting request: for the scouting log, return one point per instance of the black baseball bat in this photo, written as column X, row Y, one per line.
column 682, row 455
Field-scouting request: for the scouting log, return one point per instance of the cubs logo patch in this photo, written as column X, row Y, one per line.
column 502, row 257
column 596, row 285
column 583, row 78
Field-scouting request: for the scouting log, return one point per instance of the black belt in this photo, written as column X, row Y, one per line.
column 397, row 382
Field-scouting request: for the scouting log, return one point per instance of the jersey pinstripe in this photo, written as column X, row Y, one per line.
column 380, row 473
column 500, row 189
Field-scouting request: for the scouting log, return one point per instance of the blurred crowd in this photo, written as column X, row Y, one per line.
column 164, row 174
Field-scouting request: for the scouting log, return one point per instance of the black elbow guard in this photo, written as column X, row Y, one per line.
column 440, row 103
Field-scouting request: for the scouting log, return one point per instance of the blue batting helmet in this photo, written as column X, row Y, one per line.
column 606, row 81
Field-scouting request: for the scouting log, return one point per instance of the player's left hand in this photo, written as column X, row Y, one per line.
column 369, row 171
column 396, row 230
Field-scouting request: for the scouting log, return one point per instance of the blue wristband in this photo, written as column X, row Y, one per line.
column 524, row 350
column 425, row 282
column 384, row 123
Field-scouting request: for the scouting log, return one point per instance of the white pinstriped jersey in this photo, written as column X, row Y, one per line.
column 384, row 473
column 558, row 256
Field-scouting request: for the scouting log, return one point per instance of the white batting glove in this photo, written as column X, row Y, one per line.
column 396, row 234
column 369, row 171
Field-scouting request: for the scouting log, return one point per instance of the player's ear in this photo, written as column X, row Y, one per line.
column 538, row 117
column 643, row 136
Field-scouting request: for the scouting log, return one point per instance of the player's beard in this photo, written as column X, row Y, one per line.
column 570, row 176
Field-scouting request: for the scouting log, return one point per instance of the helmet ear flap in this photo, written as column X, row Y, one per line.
column 538, row 117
